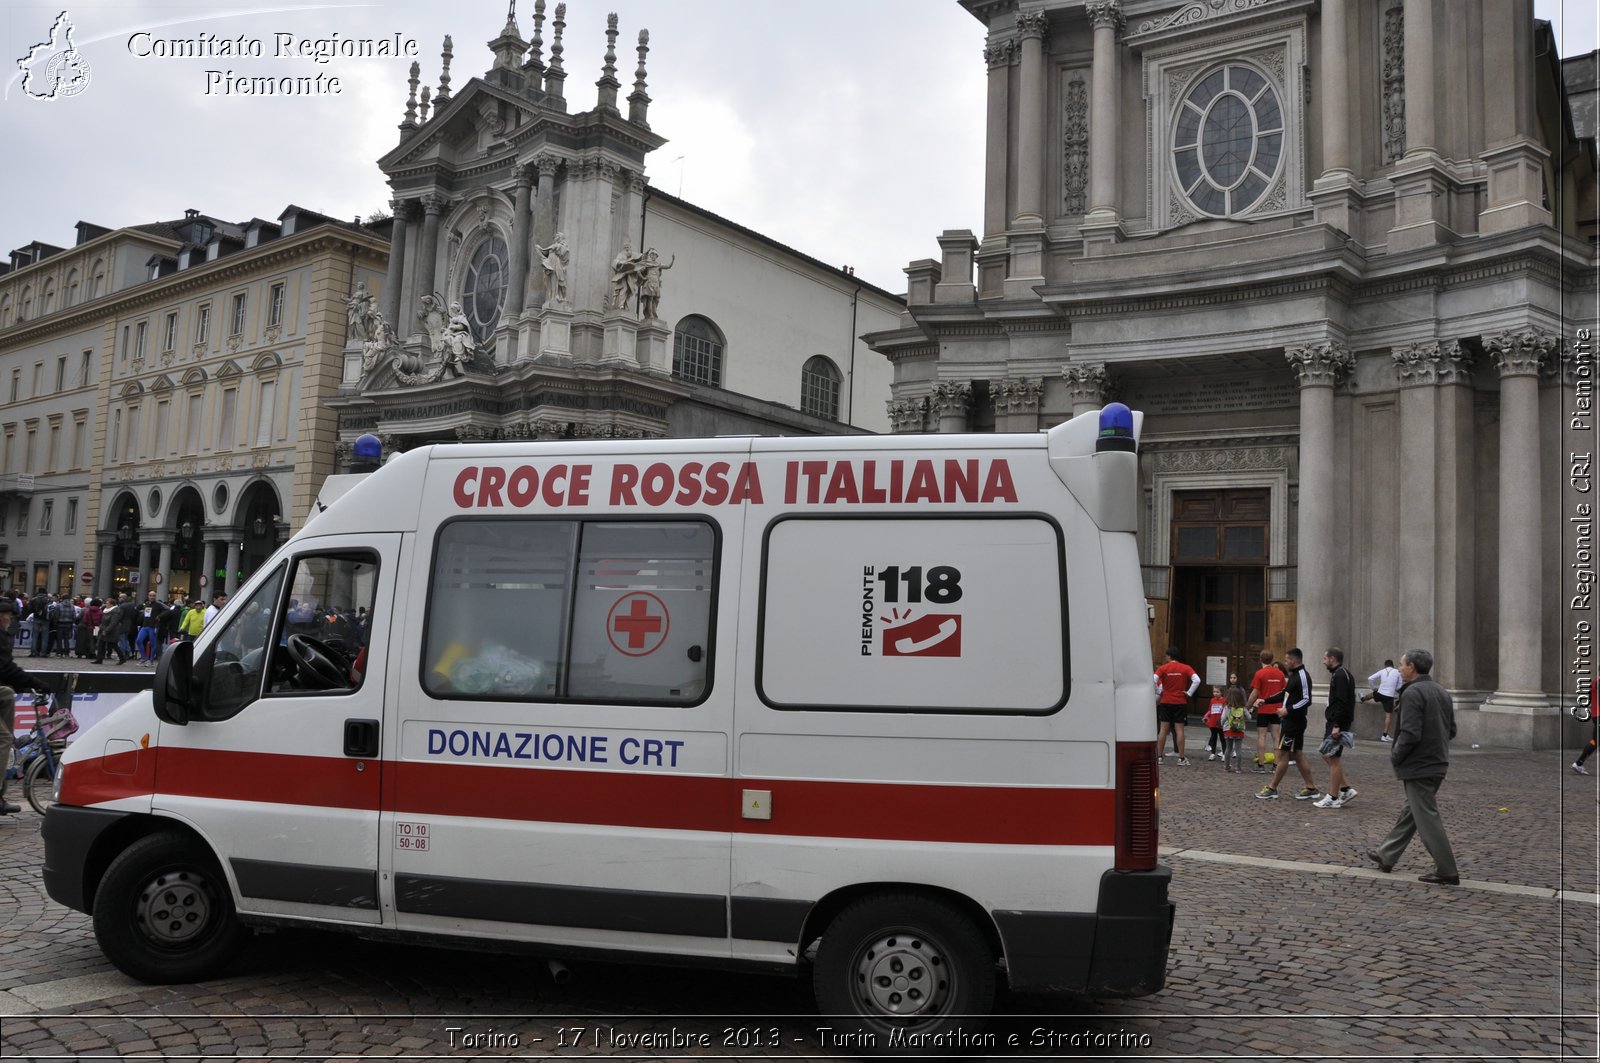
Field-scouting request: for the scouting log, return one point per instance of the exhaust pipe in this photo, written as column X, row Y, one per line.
column 560, row 973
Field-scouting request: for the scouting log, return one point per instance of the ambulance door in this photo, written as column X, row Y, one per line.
column 561, row 766
column 280, row 770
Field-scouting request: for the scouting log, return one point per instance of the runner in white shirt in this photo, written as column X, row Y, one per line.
column 1385, row 684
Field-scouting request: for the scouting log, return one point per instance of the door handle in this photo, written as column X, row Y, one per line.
column 361, row 738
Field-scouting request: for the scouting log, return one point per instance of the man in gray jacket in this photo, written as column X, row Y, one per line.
column 1425, row 722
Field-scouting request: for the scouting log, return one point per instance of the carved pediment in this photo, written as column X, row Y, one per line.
column 161, row 383
column 229, row 368
column 1196, row 15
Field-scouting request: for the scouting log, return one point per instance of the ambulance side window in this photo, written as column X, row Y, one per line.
column 323, row 627
column 553, row 610
column 234, row 663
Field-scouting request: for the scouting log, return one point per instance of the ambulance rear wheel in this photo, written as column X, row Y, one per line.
column 903, row 968
column 163, row 912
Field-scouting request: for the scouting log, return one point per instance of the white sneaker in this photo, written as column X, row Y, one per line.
column 1328, row 801
column 1385, row 738
column 1347, row 795
column 1210, row 757
column 1183, row 762
column 1579, row 768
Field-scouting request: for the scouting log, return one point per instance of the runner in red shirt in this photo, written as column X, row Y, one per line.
column 1175, row 682
column 1266, row 700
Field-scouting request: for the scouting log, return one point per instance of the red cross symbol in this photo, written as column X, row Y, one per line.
column 641, row 629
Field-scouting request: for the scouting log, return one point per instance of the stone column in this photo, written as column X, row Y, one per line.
column 1519, row 356
column 394, row 279
column 517, row 283
column 432, row 206
column 951, row 399
column 144, row 568
column 544, row 226
column 106, row 568
column 1456, row 490
column 1417, row 366
column 1318, row 368
column 1420, row 104
column 1086, row 386
column 232, row 579
column 1104, row 125
column 1032, row 25
column 1420, row 185
column 164, row 568
column 999, row 56
column 1513, row 155
column 1333, row 193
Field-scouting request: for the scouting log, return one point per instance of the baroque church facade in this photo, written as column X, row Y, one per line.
column 1343, row 256
column 539, row 288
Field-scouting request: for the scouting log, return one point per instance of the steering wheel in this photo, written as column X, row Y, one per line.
column 319, row 661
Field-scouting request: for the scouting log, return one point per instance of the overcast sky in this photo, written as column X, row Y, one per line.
column 849, row 129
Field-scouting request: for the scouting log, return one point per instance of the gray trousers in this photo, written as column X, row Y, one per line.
column 8, row 723
column 1420, row 815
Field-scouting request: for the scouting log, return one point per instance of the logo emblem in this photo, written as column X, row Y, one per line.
column 54, row 69
column 929, row 635
column 637, row 625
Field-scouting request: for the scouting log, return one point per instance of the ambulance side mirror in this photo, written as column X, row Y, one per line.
column 173, row 691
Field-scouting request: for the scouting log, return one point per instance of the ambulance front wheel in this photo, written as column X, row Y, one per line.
column 163, row 912
column 904, row 964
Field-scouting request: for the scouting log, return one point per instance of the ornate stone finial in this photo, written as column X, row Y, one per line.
column 908, row 415
column 509, row 46
column 638, row 99
column 1000, row 53
column 511, row 19
column 556, row 76
column 1320, row 364
column 410, row 121
column 951, row 397
column 608, row 83
column 1104, row 13
column 442, row 97
column 1520, row 353
column 424, row 106
column 1416, row 363
column 536, row 46
column 1086, row 382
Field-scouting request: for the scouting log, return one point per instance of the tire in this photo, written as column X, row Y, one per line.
column 163, row 912
column 39, row 784
column 905, row 969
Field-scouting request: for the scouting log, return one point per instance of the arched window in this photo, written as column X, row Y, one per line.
column 5, row 310
column 71, row 296
column 819, row 388
column 483, row 289
column 97, row 287
column 697, row 352
column 25, row 308
column 1228, row 140
column 47, row 299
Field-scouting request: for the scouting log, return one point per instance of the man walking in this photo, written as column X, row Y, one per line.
column 1425, row 722
column 1385, row 684
column 1266, row 699
column 1176, row 683
column 1340, row 716
column 1296, row 708
column 146, row 642
column 12, row 679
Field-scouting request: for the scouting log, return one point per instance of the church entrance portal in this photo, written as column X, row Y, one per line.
column 1219, row 577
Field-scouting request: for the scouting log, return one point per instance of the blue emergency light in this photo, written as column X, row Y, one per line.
column 369, row 447
column 1116, row 429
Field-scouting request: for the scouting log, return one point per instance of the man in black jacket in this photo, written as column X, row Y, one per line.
column 1425, row 722
column 12, row 679
column 1340, row 717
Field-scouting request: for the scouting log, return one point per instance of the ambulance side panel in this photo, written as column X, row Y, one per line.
column 594, row 813
column 980, row 763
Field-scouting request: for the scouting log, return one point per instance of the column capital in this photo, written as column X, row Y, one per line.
column 1087, row 382
column 1455, row 362
column 435, row 203
column 1416, row 363
column 1105, row 14
column 1033, row 24
column 1571, row 363
column 546, row 162
column 951, row 397
column 404, row 208
column 1320, row 364
column 1018, row 395
column 1000, row 53
column 908, row 415
column 1522, row 352
column 525, row 175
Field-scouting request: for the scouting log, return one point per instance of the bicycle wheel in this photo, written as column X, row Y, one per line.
column 40, row 783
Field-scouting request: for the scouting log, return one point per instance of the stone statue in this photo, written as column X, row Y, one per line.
column 432, row 315
column 361, row 312
column 555, row 259
column 624, row 277
column 459, row 345
column 650, row 270
column 379, row 342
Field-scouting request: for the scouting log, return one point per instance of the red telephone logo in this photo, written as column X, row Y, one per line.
column 930, row 635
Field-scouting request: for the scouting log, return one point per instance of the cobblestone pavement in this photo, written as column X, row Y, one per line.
column 1285, row 945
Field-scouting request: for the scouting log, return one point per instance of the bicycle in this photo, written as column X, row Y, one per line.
column 39, row 754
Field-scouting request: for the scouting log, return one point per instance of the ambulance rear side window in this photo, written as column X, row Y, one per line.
column 585, row 611
column 954, row 615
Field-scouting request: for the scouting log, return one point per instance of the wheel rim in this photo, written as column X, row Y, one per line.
column 176, row 908
column 904, row 975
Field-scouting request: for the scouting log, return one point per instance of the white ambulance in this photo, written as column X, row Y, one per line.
column 872, row 709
